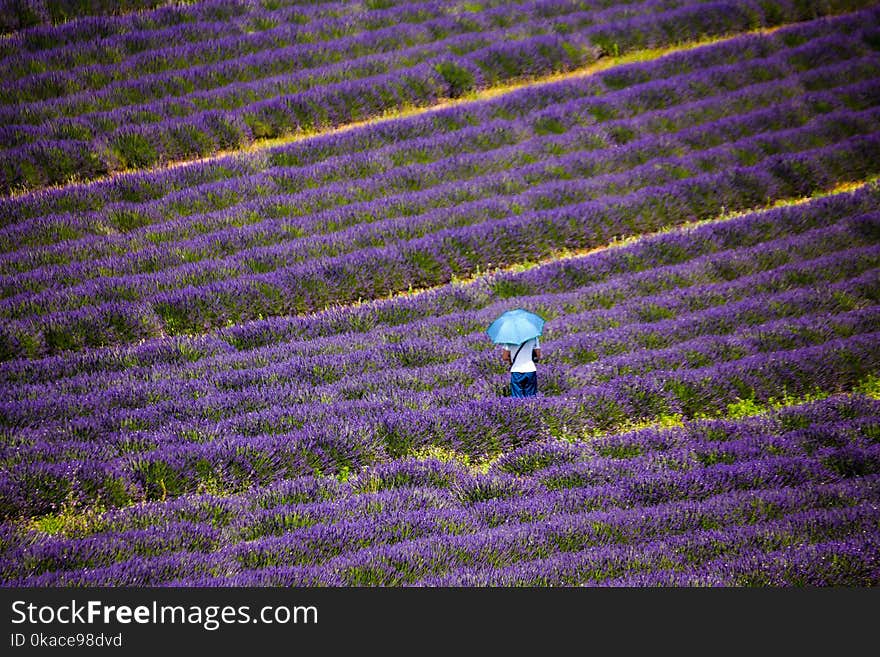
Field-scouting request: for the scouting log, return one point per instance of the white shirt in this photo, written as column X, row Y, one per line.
column 523, row 362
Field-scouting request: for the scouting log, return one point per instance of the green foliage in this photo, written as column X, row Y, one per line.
column 653, row 313
column 549, row 125
column 870, row 386
column 583, row 355
column 619, row 451
column 134, row 150
column 260, row 129
column 711, row 457
column 602, row 112
column 175, row 320
column 851, row 463
column 506, row 288
column 621, row 134
column 397, row 444
column 744, row 408
column 126, row 219
column 607, row 45
column 70, row 521
column 161, row 481
column 60, row 339
column 458, row 79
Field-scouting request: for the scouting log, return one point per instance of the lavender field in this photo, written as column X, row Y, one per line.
column 249, row 252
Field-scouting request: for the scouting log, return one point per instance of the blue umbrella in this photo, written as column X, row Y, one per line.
column 515, row 327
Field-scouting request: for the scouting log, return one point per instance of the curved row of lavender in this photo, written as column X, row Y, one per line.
column 609, row 109
column 268, row 244
column 19, row 16
column 786, row 498
column 288, row 49
column 725, row 543
column 555, row 193
column 57, row 128
column 105, row 40
column 683, row 323
column 740, row 50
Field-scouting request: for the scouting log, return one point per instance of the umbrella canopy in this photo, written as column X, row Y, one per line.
column 515, row 327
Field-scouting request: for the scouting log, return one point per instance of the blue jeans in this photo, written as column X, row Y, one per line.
column 523, row 384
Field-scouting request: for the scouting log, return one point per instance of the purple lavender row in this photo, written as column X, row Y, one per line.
column 700, row 284
column 217, row 399
column 525, row 100
column 651, row 367
column 248, row 66
column 145, row 571
column 42, row 553
column 430, row 483
column 247, row 69
column 341, row 379
column 320, row 541
column 248, row 256
column 309, row 496
column 141, row 287
column 196, row 572
column 95, row 550
column 492, row 134
column 540, row 199
column 316, row 543
column 35, row 33
column 437, row 258
column 15, row 15
column 680, row 451
column 592, row 565
column 697, row 351
column 179, row 72
column 68, row 470
column 834, row 421
column 848, row 562
column 310, row 547
column 219, row 510
column 137, row 145
column 66, row 365
column 179, row 383
column 311, row 499
column 140, row 145
column 480, row 428
column 87, row 114
column 280, row 206
column 99, row 37
column 224, row 44
column 710, row 319
column 349, row 96
column 221, row 238
column 693, row 352
column 491, row 500
column 486, row 294
column 411, row 561
column 327, row 378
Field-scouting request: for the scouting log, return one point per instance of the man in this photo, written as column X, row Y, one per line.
column 520, row 359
